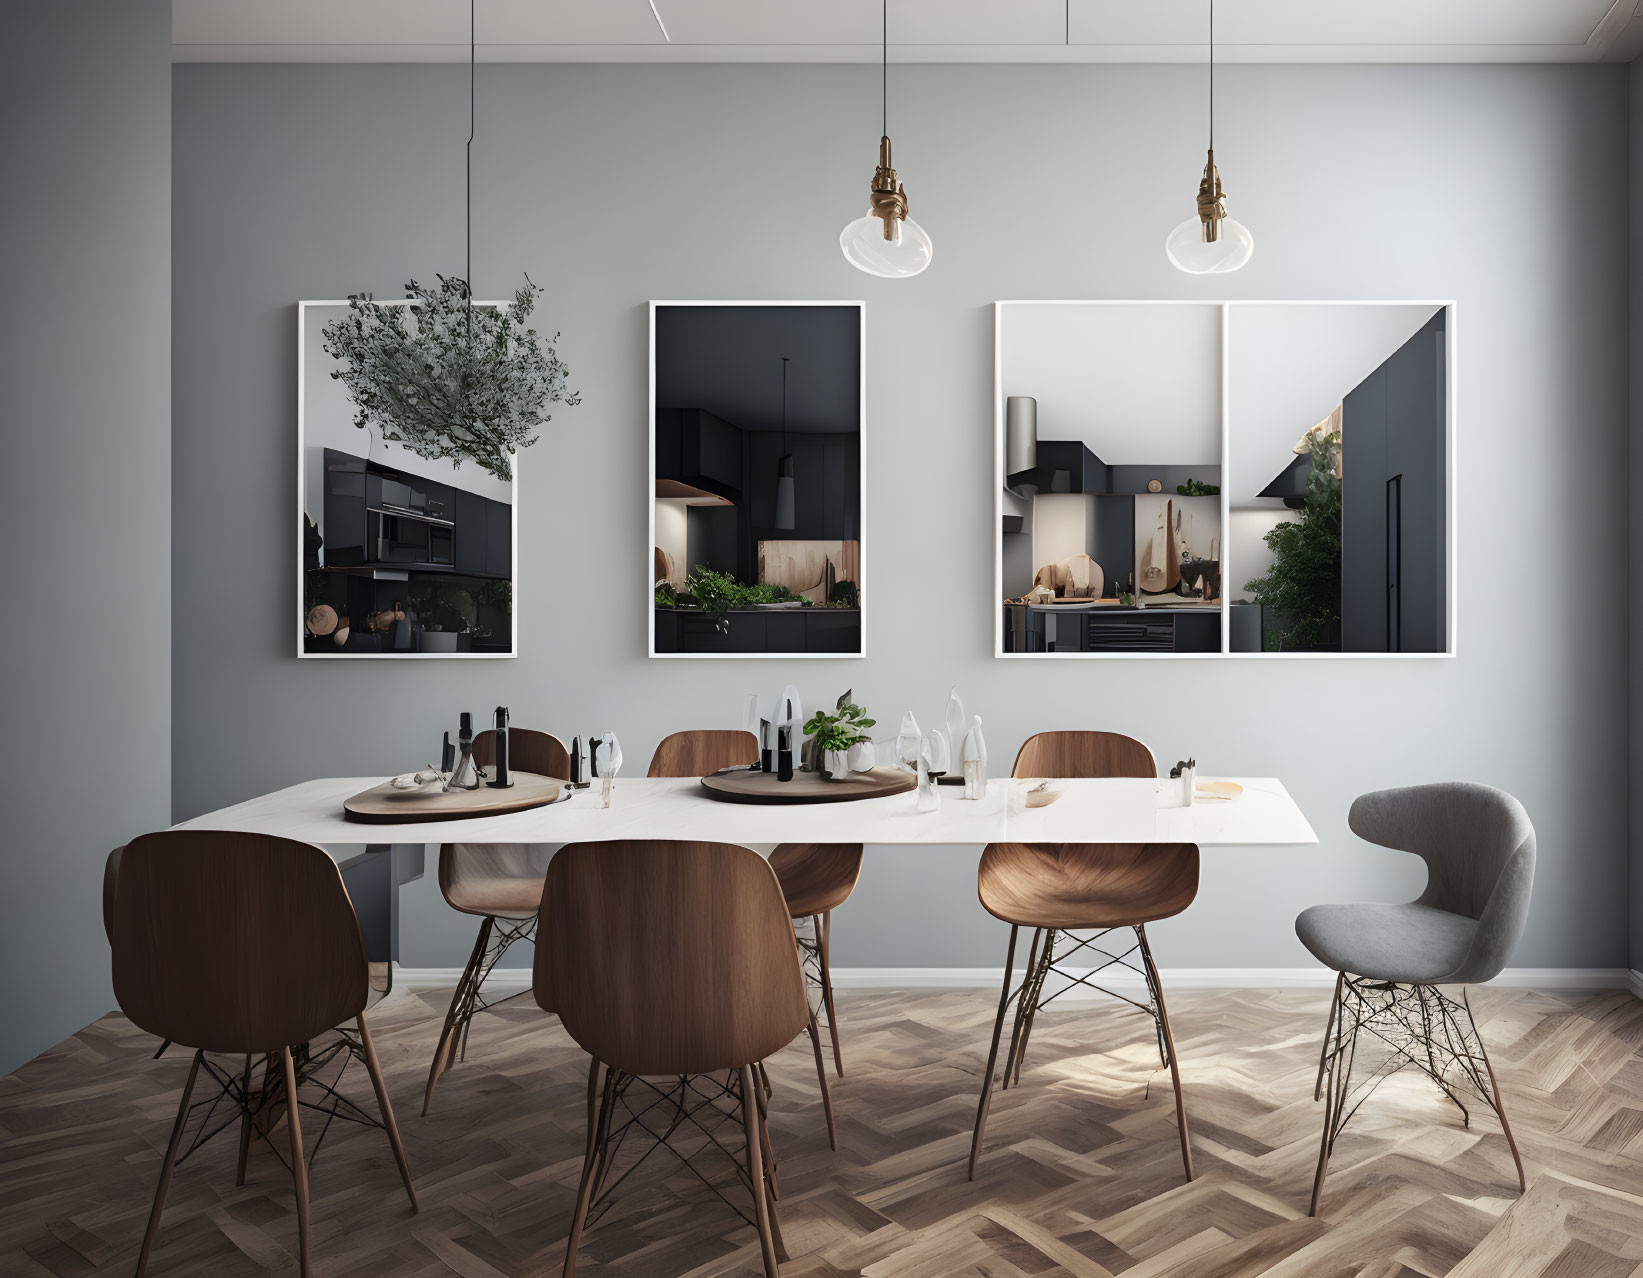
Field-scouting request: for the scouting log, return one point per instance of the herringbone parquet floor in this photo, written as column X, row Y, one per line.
column 1081, row 1175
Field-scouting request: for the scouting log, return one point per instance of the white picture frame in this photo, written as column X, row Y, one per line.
column 860, row 307
column 1229, row 310
column 312, row 315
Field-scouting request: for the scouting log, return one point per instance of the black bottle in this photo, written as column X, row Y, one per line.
column 501, row 780
column 784, row 754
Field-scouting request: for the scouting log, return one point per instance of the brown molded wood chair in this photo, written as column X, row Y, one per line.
column 676, row 961
column 816, row 879
column 500, row 884
column 1058, row 889
column 246, row 945
column 703, row 751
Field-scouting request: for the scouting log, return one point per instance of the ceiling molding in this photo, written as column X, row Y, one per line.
column 921, row 54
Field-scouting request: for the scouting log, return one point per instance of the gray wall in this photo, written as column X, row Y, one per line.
column 85, row 386
column 1635, row 474
column 612, row 185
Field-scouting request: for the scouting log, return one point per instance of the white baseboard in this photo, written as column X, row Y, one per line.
column 1222, row 978
column 1182, row 978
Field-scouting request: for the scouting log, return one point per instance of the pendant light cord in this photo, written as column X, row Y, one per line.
column 468, row 193
column 1211, row 75
column 884, row 72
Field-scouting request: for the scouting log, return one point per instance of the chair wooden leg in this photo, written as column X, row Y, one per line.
column 456, row 1018
column 992, row 1054
column 593, row 1103
column 821, row 1078
column 773, row 1194
column 824, row 945
column 1026, row 1007
column 1335, row 1092
column 387, row 1109
column 1169, row 1043
column 1323, row 1052
column 755, row 1174
column 245, row 1122
column 1494, row 1087
column 590, row 1164
column 768, row 1149
column 299, row 1169
column 168, row 1165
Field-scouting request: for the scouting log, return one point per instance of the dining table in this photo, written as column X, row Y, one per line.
column 377, row 859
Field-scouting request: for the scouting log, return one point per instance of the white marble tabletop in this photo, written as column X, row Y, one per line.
column 1089, row 811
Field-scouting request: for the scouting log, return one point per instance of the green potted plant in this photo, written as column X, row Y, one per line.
column 832, row 735
column 1302, row 589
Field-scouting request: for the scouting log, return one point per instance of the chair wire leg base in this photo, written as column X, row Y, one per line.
column 697, row 1109
column 1409, row 1026
column 496, row 936
column 1044, row 959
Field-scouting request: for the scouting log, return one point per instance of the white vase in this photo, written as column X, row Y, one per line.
column 836, row 764
column 862, row 757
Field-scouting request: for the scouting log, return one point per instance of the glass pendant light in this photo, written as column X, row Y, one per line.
column 784, row 467
column 886, row 242
column 1210, row 243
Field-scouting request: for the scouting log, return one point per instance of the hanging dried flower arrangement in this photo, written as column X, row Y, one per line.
column 447, row 379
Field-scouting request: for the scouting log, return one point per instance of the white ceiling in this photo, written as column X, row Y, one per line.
column 1289, row 366
column 920, row 30
column 1140, row 385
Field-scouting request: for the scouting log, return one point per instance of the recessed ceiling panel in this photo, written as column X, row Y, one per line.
column 1308, row 22
column 920, row 22
column 920, row 30
column 411, row 22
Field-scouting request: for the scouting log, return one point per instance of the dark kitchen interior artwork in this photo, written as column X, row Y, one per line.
column 1299, row 507
column 758, row 479
column 401, row 556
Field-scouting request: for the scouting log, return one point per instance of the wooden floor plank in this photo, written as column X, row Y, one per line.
column 1080, row 1178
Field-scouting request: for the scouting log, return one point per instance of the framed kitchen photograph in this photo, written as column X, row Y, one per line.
column 399, row 557
column 1225, row 479
column 758, row 479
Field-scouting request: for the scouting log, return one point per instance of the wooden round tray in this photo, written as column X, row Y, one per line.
column 738, row 785
column 384, row 805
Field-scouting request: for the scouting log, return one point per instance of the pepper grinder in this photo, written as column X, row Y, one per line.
column 465, row 776
column 501, row 781
column 784, row 753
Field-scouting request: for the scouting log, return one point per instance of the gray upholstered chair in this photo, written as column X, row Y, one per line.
column 1479, row 849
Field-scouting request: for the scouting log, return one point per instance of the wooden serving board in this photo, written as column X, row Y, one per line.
column 384, row 805
column 738, row 785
